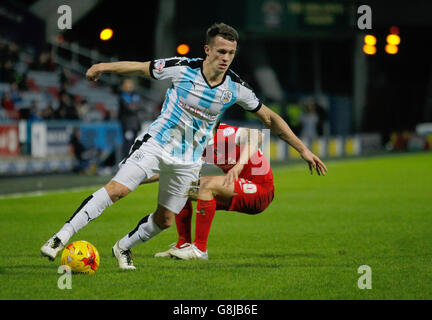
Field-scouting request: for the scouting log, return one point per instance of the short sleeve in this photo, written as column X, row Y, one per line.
column 247, row 98
column 169, row 68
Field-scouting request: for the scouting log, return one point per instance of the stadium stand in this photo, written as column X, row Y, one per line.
column 40, row 88
column 34, row 88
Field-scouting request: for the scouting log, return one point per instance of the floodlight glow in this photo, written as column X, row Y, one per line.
column 183, row 49
column 391, row 49
column 393, row 39
column 106, row 34
column 369, row 49
column 370, row 40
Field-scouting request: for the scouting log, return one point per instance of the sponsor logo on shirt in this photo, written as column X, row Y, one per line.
column 198, row 113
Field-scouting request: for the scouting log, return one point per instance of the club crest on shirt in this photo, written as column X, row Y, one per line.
column 226, row 97
column 138, row 156
column 159, row 65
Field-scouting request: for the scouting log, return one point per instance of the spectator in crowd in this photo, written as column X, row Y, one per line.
column 309, row 120
column 105, row 113
column 322, row 118
column 13, row 52
column 22, row 81
column 67, row 109
column 9, row 106
column 8, row 57
column 293, row 111
column 65, row 79
column 83, row 109
column 34, row 113
column 128, row 114
column 15, row 93
column 81, row 154
column 48, row 113
column 7, row 102
column 7, row 72
column 89, row 159
column 43, row 62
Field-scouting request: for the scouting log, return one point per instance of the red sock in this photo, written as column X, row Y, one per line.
column 183, row 222
column 205, row 213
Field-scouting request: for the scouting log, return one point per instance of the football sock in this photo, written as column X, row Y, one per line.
column 144, row 231
column 204, row 217
column 90, row 209
column 183, row 223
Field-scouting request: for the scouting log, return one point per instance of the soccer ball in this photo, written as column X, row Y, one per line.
column 81, row 256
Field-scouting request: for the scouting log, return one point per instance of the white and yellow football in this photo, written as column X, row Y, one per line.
column 81, row 256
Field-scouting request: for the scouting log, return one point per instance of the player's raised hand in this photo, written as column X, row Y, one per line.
column 232, row 175
column 94, row 72
column 314, row 163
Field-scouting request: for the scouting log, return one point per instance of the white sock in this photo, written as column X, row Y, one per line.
column 144, row 231
column 65, row 233
column 90, row 209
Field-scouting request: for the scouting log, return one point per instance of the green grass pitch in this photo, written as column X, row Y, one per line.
column 308, row 244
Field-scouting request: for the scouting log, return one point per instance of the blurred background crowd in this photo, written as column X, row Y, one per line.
column 307, row 60
column 49, row 94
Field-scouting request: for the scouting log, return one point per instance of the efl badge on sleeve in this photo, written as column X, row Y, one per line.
column 159, row 65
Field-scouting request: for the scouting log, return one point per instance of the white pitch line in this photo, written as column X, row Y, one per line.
column 295, row 167
column 43, row 193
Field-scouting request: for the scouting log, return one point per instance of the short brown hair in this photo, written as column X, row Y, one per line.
column 221, row 29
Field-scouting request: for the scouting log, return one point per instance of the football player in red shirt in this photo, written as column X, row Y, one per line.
column 247, row 187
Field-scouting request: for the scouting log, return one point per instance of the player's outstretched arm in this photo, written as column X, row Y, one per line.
column 280, row 128
column 250, row 140
column 128, row 68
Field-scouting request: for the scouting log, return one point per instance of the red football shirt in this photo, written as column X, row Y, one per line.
column 224, row 153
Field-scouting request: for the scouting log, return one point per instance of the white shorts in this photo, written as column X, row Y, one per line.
column 176, row 179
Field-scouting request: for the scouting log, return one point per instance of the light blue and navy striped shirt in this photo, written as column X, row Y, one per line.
column 192, row 107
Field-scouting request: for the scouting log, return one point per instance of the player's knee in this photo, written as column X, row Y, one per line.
column 208, row 185
column 164, row 223
column 116, row 190
column 163, row 218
